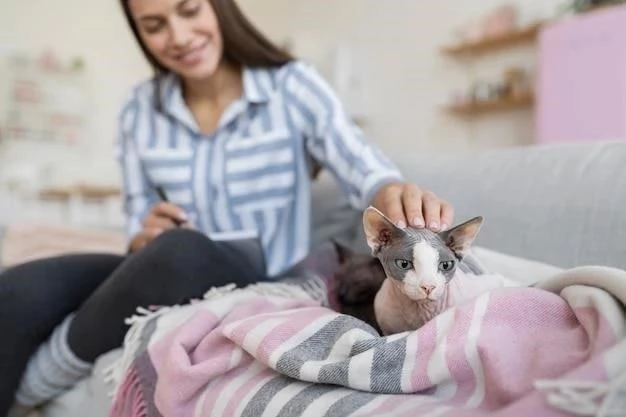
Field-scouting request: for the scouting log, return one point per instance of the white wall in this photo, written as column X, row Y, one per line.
column 406, row 79
column 272, row 16
column 94, row 30
column 397, row 43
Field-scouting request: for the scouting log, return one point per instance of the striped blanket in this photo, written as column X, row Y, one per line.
column 277, row 349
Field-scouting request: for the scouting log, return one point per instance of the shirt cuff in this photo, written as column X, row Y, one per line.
column 376, row 182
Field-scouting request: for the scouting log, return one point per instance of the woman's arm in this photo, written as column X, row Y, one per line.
column 147, row 216
column 137, row 193
column 365, row 174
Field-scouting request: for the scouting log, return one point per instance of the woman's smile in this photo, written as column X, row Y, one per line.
column 194, row 56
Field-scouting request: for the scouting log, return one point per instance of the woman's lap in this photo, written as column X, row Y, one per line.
column 34, row 298
column 174, row 268
column 103, row 290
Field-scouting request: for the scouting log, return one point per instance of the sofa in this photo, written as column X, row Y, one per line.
column 545, row 207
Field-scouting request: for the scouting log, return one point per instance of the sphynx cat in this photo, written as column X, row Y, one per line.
column 426, row 272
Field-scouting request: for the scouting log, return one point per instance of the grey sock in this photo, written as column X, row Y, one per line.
column 52, row 370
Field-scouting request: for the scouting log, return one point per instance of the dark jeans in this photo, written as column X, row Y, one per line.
column 103, row 290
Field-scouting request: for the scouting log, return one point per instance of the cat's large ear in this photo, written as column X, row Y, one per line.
column 460, row 238
column 379, row 230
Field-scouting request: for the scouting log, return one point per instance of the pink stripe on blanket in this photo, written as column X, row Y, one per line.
column 543, row 344
column 389, row 403
column 456, row 354
column 414, row 405
column 593, row 370
column 247, row 389
column 198, row 351
column 252, row 315
column 296, row 310
column 426, row 344
column 130, row 400
column 535, row 401
column 215, row 388
column 189, row 356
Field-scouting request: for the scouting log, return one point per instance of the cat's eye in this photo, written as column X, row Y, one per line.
column 404, row 264
column 446, row 266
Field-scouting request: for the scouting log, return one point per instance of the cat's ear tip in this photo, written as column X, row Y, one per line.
column 477, row 220
column 372, row 209
column 371, row 213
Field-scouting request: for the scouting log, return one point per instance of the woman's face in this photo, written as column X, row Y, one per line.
column 183, row 35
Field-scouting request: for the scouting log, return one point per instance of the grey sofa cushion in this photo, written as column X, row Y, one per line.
column 561, row 204
column 2, row 235
column 332, row 215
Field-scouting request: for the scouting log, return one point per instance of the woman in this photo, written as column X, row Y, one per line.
column 227, row 129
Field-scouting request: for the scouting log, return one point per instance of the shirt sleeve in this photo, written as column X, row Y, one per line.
column 334, row 140
column 137, row 195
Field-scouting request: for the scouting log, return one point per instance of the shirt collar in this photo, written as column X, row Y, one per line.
column 258, row 87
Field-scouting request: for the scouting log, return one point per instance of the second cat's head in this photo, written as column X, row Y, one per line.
column 419, row 261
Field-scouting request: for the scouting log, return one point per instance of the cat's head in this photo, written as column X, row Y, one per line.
column 419, row 261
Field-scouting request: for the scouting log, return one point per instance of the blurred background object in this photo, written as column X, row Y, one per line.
column 417, row 77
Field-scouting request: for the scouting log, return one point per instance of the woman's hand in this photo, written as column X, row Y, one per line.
column 163, row 216
column 407, row 204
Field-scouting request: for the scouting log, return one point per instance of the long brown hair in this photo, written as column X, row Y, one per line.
column 244, row 44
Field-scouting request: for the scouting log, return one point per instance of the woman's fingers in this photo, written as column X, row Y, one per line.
column 171, row 211
column 412, row 201
column 432, row 211
column 407, row 204
column 159, row 222
column 392, row 205
column 447, row 215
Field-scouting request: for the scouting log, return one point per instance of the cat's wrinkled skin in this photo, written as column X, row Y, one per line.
column 419, row 265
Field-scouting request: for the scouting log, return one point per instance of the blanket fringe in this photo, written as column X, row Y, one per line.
column 587, row 398
column 114, row 374
column 132, row 401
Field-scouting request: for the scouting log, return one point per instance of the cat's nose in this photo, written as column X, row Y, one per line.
column 428, row 288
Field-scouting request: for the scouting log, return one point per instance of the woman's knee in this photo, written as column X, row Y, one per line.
column 165, row 271
column 181, row 252
column 177, row 241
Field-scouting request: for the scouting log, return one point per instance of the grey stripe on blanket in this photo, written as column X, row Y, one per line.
column 351, row 402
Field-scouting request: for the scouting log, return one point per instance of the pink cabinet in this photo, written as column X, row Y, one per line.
column 581, row 85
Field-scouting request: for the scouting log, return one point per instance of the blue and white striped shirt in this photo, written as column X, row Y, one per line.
column 253, row 171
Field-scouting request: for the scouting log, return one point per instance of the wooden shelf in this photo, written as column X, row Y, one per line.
column 85, row 191
column 472, row 109
column 522, row 35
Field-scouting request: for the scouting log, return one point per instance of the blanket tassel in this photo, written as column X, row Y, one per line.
column 587, row 398
column 113, row 373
